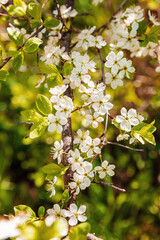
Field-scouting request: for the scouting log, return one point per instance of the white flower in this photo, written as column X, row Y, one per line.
column 85, row 39
column 57, row 92
column 56, row 212
column 90, row 146
column 64, row 105
column 78, row 183
column 81, row 137
column 56, row 122
column 94, row 119
column 95, row 2
column 75, row 160
column 99, row 42
column 76, row 214
column 114, row 80
column 86, row 172
column 128, row 119
column 122, row 137
column 105, row 169
column 50, row 186
column 66, row 12
column 153, row 19
column 113, row 61
column 57, row 150
column 101, row 104
column 126, row 68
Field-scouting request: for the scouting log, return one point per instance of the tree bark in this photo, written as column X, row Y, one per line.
column 67, row 137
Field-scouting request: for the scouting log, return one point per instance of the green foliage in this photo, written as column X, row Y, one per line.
column 43, row 104
column 51, row 22
column 41, row 211
column 38, row 128
column 142, row 27
column 65, row 196
column 15, row 36
column 79, row 232
column 32, row 45
column 53, row 169
column 67, row 69
column 31, row 116
column 144, row 131
column 3, row 75
column 24, row 209
column 35, row 11
column 153, row 34
column 17, row 62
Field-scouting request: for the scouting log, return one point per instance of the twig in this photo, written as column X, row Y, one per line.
column 43, row 5
column 59, row 14
column 103, row 27
column 110, row 185
column 78, row 108
column 32, row 35
column 27, row 123
column 121, row 145
column 91, row 236
column 6, row 15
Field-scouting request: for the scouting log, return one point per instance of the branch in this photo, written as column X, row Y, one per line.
column 59, row 14
column 91, row 236
column 110, row 185
column 80, row 107
column 121, row 145
column 32, row 35
column 6, row 15
column 103, row 27
column 43, row 5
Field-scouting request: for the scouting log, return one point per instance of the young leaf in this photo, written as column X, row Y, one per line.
column 3, row 75
column 15, row 35
column 32, row 45
column 35, row 10
column 43, row 104
column 67, row 68
column 16, row 11
column 79, row 232
column 48, row 68
column 24, row 209
column 65, row 196
column 142, row 27
column 51, row 22
column 52, row 169
column 38, row 128
column 144, row 131
column 31, row 116
column 41, row 211
column 17, row 62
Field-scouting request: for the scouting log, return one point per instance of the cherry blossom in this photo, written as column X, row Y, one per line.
column 66, row 12
column 105, row 169
column 56, row 122
column 113, row 61
column 57, row 150
column 76, row 214
column 50, row 186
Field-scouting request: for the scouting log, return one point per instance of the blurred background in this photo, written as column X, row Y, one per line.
column 113, row 215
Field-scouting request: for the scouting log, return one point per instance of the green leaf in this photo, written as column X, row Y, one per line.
column 31, row 116
column 38, row 128
column 65, row 196
column 52, row 169
column 48, row 68
column 153, row 34
column 32, row 45
column 17, row 62
column 12, row 53
column 15, row 35
column 18, row 3
column 67, row 68
column 43, row 104
column 35, row 10
column 41, row 211
column 143, row 41
column 142, row 27
column 35, row 23
column 23, row 208
column 79, row 232
column 144, row 131
column 16, row 11
column 51, row 22
column 154, row 60
column 3, row 75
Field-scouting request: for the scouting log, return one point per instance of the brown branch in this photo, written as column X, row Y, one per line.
column 110, row 185
column 6, row 15
column 43, row 5
column 103, row 27
column 32, row 35
column 80, row 107
column 121, row 145
column 91, row 236
column 67, row 137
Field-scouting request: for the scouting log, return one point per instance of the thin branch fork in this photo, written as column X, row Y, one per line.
column 80, row 107
column 103, row 27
